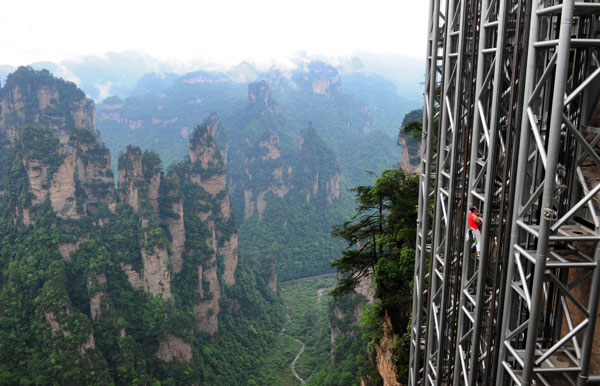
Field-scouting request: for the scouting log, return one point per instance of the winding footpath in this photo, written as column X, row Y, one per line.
column 303, row 345
column 293, row 364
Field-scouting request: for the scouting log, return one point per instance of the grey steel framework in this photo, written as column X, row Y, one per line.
column 512, row 88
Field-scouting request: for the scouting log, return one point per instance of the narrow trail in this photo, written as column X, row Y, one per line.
column 303, row 345
column 293, row 364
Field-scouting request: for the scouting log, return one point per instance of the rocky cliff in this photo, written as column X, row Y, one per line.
column 410, row 154
column 267, row 168
column 192, row 203
column 51, row 125
column 386, row 356
column 179, row 232
column 316, row 174
column 205, row 173
column 409, row 139
column 322, row 79
column 259, row 95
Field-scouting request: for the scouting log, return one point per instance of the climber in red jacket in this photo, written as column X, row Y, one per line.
column 474, row 221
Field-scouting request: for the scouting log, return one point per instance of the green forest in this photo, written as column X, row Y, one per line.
column 142, row 281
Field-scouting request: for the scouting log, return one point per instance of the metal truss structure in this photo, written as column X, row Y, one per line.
column 510, row 124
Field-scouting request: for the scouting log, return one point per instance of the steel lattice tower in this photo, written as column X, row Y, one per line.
column 511, row 123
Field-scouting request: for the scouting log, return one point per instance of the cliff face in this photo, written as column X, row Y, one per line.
column 385, row 350
column 409, row 139
column 30, row 96
column 206, row 174
column 268, row 169
column 192, row 203
column 51, row 125
column 179, row 232
column 321, row 78
column 315, row 175
column 259, row 94
column 410, row 154
column 266, row 173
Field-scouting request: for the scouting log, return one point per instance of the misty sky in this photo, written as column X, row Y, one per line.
column 226, row 31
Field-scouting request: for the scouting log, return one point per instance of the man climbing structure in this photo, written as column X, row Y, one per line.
column 474, row 222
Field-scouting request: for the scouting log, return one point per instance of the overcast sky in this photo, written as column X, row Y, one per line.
column 226, row 31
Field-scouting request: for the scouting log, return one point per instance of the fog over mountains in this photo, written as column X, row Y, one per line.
column 117, row 73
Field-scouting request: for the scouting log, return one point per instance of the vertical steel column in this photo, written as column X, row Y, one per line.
column 544, row 346
column 460, row 357
column 486, row 234
column 519, row 182
column 484, row 154
column 450, row 182
column 558, row 104
column 425, row 182
column 443, row 265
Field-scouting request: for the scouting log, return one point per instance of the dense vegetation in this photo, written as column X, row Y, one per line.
column 77, row 318
column 350, row 122
column 351, row 359
column 308, row 324
column 380, row 241
column 294, row 235
column 69, row 312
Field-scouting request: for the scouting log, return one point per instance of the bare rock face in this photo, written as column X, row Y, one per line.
column 30, row 96
column 52, row 321
column 230, row 255
column 156, row 275
column 260, row 97
column 206, row 171
column 62, row 189
column 67, row 249
column 323, row 173
column 365, row 288
column 89, row 344
column 332, row 188
column 249, row 204
column 92, row 168
column 130, row 176
column 207, row 311
column 77, row 166
column 175, row 223
column 385, row 355
column 267, row 159
column 97, row 288
column 55, row 327
column 53, row 125
column 172, row 348
column 335, row 331
column 271, row 147
column 322, row 78
column 38, row 177
column 139, row 179
column 405, row 162
column 133, row 276
column 203, row 149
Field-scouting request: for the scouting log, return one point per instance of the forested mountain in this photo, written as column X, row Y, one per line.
column 294, row 145
column 169, row 273
column 135, row 285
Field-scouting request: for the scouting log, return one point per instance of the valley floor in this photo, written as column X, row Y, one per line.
column 305, row 339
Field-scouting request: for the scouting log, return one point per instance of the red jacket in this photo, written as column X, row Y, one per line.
column 472, row 222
